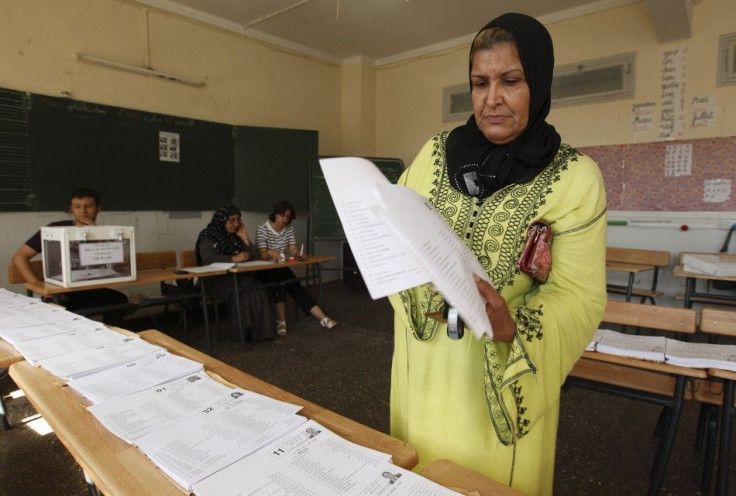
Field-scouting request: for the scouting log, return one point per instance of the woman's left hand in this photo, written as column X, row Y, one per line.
column 497, row 310
column 242, row 232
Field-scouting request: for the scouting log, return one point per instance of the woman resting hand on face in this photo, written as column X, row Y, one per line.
column 225, row 239
column 492, row 405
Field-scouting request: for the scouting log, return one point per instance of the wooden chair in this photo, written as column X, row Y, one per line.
column 707, row 297
column 716, row 323
column 636, row 261
column 15, row 277
column 652, row 382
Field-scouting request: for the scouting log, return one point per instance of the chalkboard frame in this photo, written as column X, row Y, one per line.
column 324, row 223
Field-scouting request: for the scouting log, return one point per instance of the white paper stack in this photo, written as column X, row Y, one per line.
column 136, row 375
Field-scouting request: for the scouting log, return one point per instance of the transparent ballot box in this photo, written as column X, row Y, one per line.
column 90, row 255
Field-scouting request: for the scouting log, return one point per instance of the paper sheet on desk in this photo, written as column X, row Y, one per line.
column 399, row 241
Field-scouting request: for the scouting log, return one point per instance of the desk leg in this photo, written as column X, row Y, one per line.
column 3, row 410
column 668, row 438
column 91, row 486
column 727, row 415
column 689, row 289
column 630, row 288
column 206, row 318
column 318, row 269
column 238, row 310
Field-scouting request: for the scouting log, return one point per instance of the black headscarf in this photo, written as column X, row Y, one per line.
column 225, row 243
column 478, row 167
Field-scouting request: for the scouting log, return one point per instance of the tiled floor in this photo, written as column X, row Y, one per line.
column 605, row 444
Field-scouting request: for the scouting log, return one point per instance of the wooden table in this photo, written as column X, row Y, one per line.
column 691, row 278
column 142, row 277
column 632, row 269
column 116, row 467
column 728, row 414
column 652, row 382
column 452, row 475
column 307, row 260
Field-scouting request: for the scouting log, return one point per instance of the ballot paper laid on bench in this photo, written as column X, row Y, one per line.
column 136, row 375
column 650, row 348
column 701, row 355
column 312, row 460
column 220, row 433
column 133, row 416
column 88, row 361
column 399, row 241
column 34, row 350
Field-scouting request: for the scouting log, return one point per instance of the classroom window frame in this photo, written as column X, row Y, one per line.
column 595, row 80
column 456, row 103
column 726, row 59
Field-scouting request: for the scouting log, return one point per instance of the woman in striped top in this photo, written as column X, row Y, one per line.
column 275, row 240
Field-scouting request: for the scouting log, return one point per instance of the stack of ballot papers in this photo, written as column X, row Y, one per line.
column 208, row 437
column 313, row 461
column 706, row 263
column 629, row 345
column 90, row 360
column 701, row 355
column 662, row 349
column 135, row 375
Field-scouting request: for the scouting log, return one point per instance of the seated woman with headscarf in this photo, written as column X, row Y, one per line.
column 225, row 239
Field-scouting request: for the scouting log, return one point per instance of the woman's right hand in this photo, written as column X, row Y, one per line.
column 240, row 257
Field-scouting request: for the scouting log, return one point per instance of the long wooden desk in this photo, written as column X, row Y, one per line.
column 117, row 467
column 142, row 277
column 633, row 378
column 691, row 279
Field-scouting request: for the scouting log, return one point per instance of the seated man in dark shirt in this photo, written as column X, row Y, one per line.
column 84, row 205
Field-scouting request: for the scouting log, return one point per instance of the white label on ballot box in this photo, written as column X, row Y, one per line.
column 101, row 253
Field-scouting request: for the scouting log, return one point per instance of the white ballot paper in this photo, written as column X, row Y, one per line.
column 221, row 433
column 37, row 349
column 131, row 417
column 78, row 363
column 213, row 267
column 308, row 461
column 134, row 376
column 399, row 241
column 650, row 348
column 701, row 355
column 396, row 481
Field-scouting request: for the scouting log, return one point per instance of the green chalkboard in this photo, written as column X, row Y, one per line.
column 272, row 164
column 116, row 151
column 324, row 222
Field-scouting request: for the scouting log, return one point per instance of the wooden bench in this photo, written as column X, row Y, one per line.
column 652, row 382
column 636, row 261
column 710, row 392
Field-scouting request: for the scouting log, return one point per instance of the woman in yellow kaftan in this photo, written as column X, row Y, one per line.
column 492, row 405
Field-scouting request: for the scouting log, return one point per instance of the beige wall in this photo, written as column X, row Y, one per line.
column 409, row 94
column 248, row 83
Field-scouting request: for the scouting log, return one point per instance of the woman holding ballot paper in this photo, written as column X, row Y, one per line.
column 275, row 240
column 492, row 405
